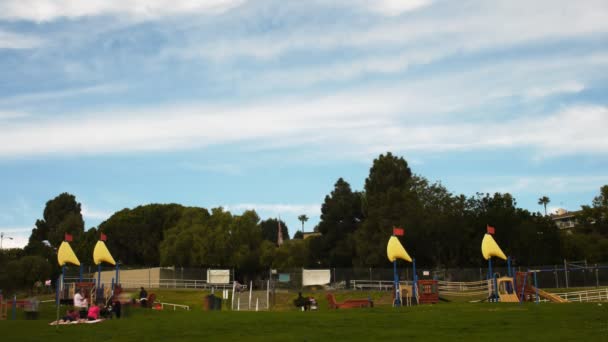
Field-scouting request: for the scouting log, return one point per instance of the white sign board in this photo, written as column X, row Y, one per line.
column 218, row 276
column 315, row 277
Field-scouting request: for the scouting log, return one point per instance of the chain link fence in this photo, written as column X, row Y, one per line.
column 567, row 275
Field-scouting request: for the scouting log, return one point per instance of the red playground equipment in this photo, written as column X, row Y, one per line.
column 428, row 291
column 350, row 303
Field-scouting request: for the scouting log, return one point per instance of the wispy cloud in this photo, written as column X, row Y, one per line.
column 373, row 121
column 94, row 214
column 549, row 184
column 395, row 7
column 49, row 10
column 293, row 209
column 11, row 40
column 453, row 29
column 572, row 87
column 29, row 98
column 221, row 168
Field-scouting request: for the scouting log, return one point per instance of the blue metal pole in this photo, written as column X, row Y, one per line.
column 80, row 276
column 99, row 280
column 415, row 279
column 14, row 307
column 523, row 288
column 509, row 271
column 490, row 277
column 397, row 290
column 536, row 288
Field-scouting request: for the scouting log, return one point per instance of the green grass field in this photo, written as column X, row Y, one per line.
column 443, row 322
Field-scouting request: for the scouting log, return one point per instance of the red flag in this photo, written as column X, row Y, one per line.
column 490, row 229
column 398, row 231
column 103, row 237
column 68, row 237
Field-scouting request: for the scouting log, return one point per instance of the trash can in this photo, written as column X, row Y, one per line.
column 217, row 303
column 210, row 302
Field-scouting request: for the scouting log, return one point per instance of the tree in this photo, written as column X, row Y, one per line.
column 303, row 218
column 544, row 201
column 341, row 215
column 134, row 235
column 389, row 201
column 61, row 215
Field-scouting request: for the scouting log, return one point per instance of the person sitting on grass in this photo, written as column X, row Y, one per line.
column 93, row 313
column 302, row 302
column 143, row 298
column 72, row 315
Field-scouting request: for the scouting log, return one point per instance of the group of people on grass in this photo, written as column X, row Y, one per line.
column 83, row 312
column 305, row 303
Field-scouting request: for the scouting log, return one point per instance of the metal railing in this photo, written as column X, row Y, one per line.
column 185, row 307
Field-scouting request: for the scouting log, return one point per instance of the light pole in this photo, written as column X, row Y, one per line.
column 2, row 238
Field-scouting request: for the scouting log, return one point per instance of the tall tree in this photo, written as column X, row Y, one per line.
column 389, row 199
column 544, row 201
column 341, row 215
column 303, row 218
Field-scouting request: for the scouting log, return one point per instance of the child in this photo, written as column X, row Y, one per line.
column 93, row 313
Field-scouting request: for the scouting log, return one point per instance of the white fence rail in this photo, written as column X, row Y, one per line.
column 595, row 295
column 165, row 283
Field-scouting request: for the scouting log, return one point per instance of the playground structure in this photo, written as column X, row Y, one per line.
column 510, row 289
column 428, row 291
column 394, row 251
column 93, row 292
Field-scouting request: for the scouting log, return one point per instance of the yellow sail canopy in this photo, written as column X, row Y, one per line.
column 66, row 255
column 489, row 248
column 395, row 250
column 102, row 254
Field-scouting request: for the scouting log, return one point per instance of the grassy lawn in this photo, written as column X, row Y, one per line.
column 442, row 322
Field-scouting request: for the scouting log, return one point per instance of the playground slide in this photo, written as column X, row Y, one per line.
column 549, row 296
column 508, row 297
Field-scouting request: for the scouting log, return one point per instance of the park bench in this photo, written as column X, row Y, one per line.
column 349, row 303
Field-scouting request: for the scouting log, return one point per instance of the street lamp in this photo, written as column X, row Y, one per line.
column 2, row 238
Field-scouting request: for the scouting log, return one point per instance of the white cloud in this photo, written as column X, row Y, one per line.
column 10, row 40
column 222, row 168
column 396, row 7
column 15, row 237
column 453, row 29
column 60, row 94
column 572, row 87
column 293, row 209
column 400, row 119
column 49, row 10
column 95, row 214
column 549, row 184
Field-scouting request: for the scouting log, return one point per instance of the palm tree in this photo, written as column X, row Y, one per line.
column 544, row 201
column 303, row 218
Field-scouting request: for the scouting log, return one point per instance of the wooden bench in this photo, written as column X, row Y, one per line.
column 349, row 303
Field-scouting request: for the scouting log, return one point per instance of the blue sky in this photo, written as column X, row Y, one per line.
column 264, row 104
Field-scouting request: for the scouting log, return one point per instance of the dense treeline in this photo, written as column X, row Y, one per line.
column 442, row 229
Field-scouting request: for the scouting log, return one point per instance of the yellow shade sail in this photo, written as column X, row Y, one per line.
column 489, row 248
column 102, row 254
column 395, row 250
column 65, row 254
